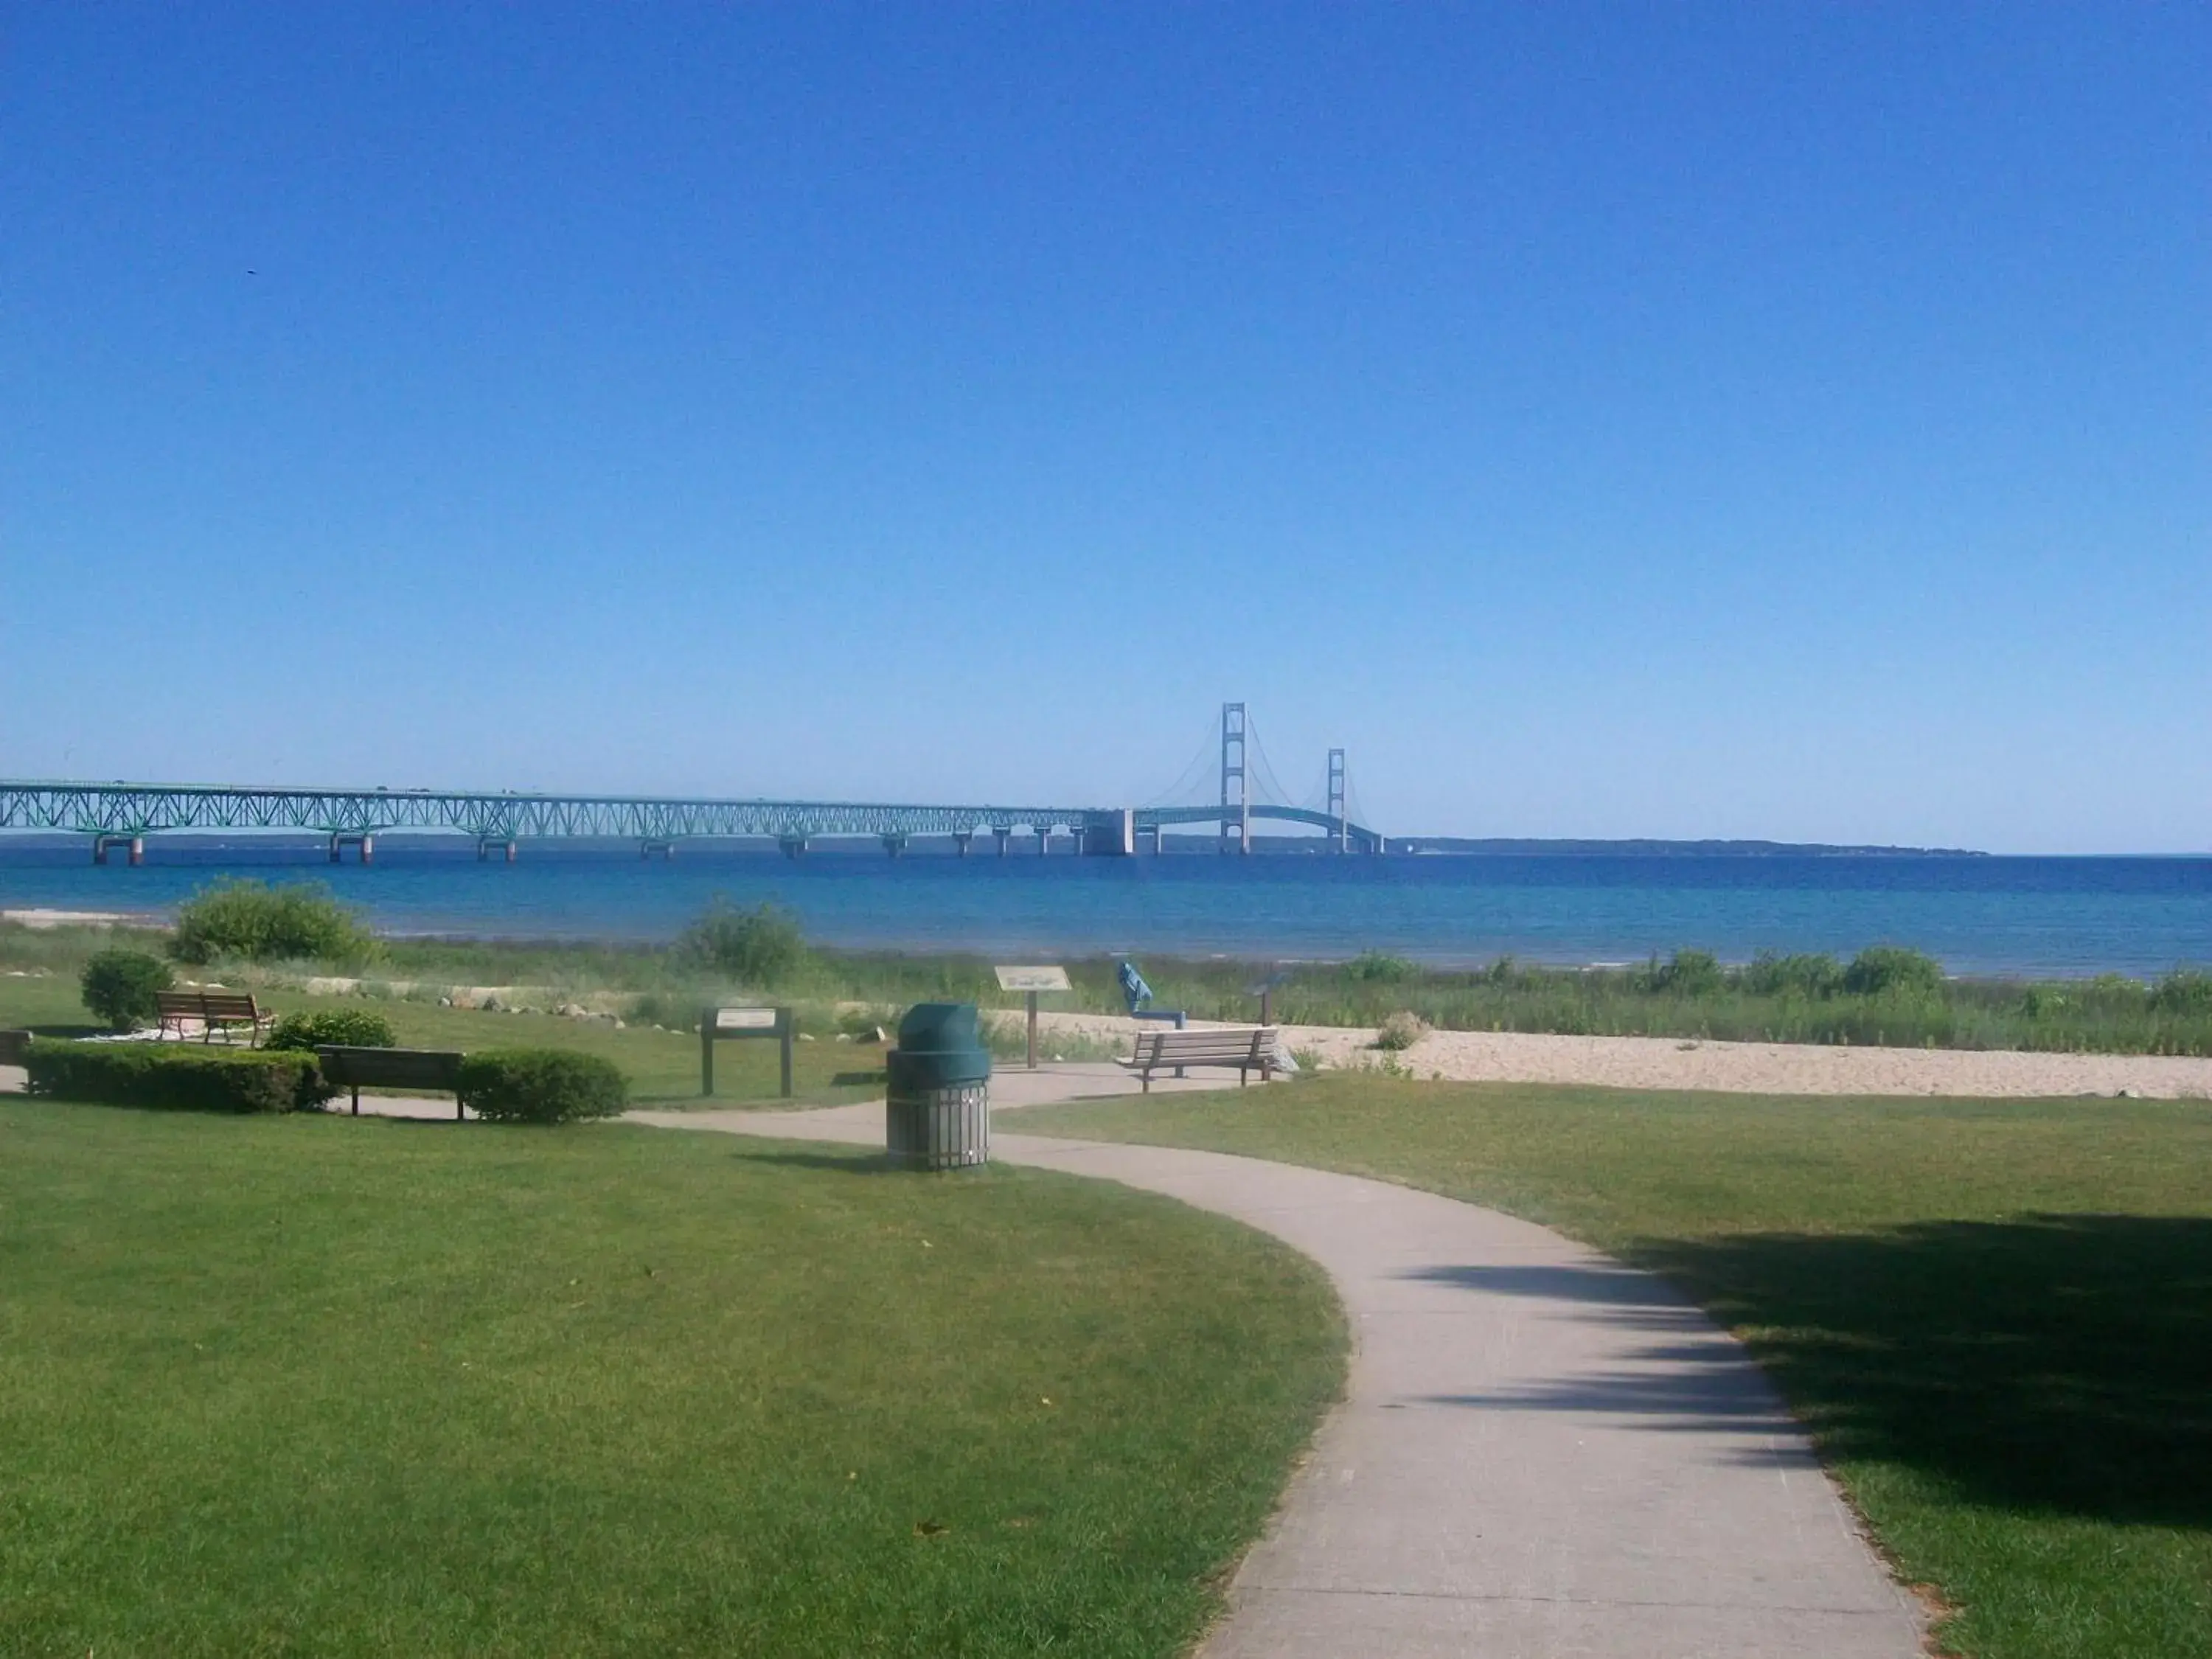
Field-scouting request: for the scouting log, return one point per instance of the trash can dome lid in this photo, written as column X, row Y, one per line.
column 939, row 1026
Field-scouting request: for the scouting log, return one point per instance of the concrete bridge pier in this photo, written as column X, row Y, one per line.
column 1112, row 836
column 791, row 844
column 1002, row 834
column 666, row 849
column 895, row 843
column 485, row 843
column 961, row 838
column 133, row 846
column 340, row 840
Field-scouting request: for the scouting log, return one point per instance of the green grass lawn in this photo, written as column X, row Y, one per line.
column 339, row 1386
column 662, row 1067
column 1995, row 1316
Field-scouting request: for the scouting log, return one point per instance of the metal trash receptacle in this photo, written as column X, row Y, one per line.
column 937, row 1112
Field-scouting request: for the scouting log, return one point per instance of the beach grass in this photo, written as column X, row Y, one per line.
column 1996, row 1318
column 366, row 1387
column 1805, row 1000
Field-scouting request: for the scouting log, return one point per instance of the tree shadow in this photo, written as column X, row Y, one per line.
column 2060, row 1363
column 1688, row 1376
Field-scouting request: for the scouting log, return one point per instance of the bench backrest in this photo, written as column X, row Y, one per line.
column 228, row 1005
column 178, row 1002
column 391, row 1068
column 1184, row 1047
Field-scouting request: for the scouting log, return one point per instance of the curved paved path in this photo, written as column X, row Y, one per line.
column 1540, row 1452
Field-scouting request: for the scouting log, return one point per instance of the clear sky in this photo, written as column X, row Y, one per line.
column 1771, row 419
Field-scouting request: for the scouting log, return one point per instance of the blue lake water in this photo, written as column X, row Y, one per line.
column 1980, row 915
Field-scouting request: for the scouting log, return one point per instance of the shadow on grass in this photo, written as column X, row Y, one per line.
column 858, row 1162
column 2061, row 1363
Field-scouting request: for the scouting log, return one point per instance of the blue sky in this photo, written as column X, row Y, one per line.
column 1766, row 420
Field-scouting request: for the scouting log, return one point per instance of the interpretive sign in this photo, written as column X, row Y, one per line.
column 717, row 1023
column 1032, row 980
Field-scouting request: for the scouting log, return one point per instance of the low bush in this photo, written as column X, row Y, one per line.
column 188, row 1077
column 1401, row 1031
column 296, row 921
column 1689, row 974
column 541, row 1085
column 340, row 1028
column 2183, row 992
column 120, row 987
column 1816, row 974
column 1379, row 968
column 1893, row 970
column 761, row 946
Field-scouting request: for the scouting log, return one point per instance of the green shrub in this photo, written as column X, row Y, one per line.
column 120, row 987
column 340, row 1028
column 2185, row 991
column 296, row 921
column 1688, row 974
column 541, row 1085
column 1379, row 968
column 1401, row 1031
column 1893, row 970
column 760, row 946
column 1805, row 975
column 188, row 1077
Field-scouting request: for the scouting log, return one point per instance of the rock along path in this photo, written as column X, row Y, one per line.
column 1540, row 1452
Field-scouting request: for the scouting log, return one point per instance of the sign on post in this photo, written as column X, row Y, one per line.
column 716, row 1025
column 1032, row 981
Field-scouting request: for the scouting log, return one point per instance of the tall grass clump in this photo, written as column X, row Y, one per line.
column 256, row 922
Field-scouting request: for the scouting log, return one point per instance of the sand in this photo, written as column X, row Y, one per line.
column 1780, row 1068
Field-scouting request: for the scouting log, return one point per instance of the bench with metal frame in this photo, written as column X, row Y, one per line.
column 216, row 1011
column 392, row 1069
column 1246, row 1049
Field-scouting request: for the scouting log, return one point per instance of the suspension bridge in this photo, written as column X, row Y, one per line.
column 119, row 817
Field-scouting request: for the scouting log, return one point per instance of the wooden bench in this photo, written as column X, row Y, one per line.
column 1248, row 1048
column 392, row 1069
column 216, row 1011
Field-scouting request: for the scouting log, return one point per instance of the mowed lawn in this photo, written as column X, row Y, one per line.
column 338, row 1386
column 1996, row 1316
column 662, row 1067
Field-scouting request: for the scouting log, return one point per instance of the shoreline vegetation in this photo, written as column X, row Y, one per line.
column 295, row 934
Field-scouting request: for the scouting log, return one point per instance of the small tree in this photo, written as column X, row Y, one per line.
column 121, row 987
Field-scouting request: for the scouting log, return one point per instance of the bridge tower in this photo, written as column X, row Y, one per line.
column 1336, row 807
column 1235, row 793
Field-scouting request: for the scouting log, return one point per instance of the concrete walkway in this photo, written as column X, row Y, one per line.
column 1540, row 1452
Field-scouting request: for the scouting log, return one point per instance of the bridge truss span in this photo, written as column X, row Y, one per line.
column 126, row 813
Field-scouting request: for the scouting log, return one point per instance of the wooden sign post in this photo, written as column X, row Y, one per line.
column 1032, row 981
column 719, row 1024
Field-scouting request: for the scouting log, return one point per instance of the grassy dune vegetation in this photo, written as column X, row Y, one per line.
column 1995, row 1316
column 1884, row 996
column 361, row 1387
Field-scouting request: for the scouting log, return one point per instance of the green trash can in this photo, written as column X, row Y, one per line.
column 937, row 1112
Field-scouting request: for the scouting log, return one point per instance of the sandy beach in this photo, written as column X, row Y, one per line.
column 1781, row 1068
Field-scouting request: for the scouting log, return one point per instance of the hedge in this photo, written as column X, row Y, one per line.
column 336, row 1028
column 183, row 1077
column 541, row 1085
